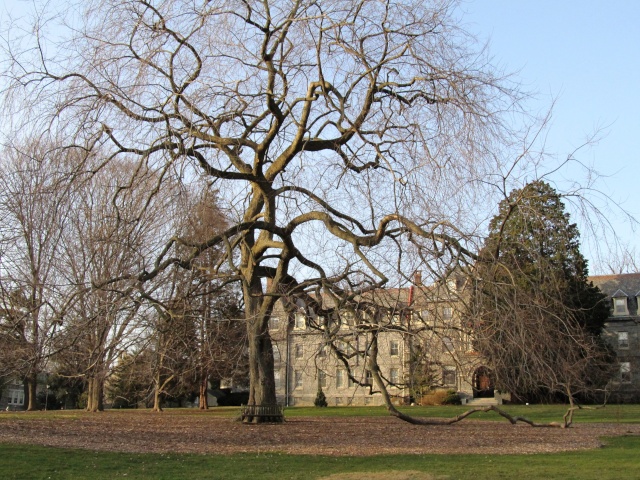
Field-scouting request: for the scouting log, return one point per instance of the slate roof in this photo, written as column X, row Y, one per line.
column 628, row 283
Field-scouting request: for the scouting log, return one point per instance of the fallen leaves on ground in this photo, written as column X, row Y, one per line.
column 204, row 433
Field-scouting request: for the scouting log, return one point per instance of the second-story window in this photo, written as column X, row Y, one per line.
column 299, row 350
column 394, row 348
column 447, row 312
column 623, row 339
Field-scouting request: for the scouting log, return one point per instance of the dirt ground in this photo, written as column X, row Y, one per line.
column 205, row 433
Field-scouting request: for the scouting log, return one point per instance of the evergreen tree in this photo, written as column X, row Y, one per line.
column 538, row 318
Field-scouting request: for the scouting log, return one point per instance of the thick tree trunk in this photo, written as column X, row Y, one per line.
column 95, row 388
column 262, row 390
column 31, row 384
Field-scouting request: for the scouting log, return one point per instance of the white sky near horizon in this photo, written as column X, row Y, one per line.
column 581, row 55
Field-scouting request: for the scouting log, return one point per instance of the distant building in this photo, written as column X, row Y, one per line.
column 622, row 331
column 422, row 347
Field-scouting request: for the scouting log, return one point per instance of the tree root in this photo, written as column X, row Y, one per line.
column 449, row 421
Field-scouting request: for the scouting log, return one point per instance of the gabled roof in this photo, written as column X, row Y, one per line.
column 619, row 293
column 613, row 285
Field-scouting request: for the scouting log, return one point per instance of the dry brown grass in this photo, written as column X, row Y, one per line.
column 203, row 432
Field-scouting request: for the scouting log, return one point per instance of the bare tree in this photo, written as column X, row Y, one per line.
column 34, row 207
column 113, row 229
column 344, row 137
column 199, row 315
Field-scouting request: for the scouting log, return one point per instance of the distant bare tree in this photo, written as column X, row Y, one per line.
column 34, row 208
column 114, row 227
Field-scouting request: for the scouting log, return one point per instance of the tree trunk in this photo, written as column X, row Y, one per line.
column 204, row 402
column 157, row 401
column 31, row 384
column 262, row 389
column 95, row 390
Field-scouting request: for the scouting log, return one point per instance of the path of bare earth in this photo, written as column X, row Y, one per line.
column 204, row 433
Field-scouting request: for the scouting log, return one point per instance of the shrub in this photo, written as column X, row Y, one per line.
column 451, row 398
column 440, row 397
column 321, row 399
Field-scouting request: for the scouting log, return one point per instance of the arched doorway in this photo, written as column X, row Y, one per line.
column 483, row 383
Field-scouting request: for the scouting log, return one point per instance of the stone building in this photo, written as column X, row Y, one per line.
column 422, row 346
column 622, row 331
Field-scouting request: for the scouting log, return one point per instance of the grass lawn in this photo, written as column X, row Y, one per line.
column 620, row 458
column 539, row 413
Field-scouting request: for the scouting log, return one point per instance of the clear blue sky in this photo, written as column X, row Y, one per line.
column 586, row 55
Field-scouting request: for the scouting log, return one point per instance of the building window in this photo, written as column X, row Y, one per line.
column 449, row 375
column 625, row 372
column 276, row 378
column 393, row 376
column 623, row 339
column 322, row 379
column 367, row 400
column 16, row 397
column 298, row 350
column 447, row 312
column 340, row 376
column 322, row 350
column 394, row 348
column 447, row 345
column 276, row 353
column 300, row 321
column 368, row 377
column 346, row 319
column 274, row 323
column 620, row 306
column 338, row 401
column 297, row 376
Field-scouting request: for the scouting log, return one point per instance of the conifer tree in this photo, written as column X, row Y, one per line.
column 537, row 316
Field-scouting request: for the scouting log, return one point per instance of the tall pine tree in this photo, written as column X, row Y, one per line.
column 537, row 316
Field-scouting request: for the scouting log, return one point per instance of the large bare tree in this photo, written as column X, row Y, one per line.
column 342, row 136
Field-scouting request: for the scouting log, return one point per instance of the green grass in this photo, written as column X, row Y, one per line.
column 539, row 413
column 620, row 458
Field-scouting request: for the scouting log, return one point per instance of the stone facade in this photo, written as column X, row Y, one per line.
column 421, row 346
column 622, row 332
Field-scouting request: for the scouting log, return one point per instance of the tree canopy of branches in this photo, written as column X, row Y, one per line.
column 343, row 137
column 537, row 316
column 33, row 209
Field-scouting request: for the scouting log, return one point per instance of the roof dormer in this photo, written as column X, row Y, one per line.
column 620, row 304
